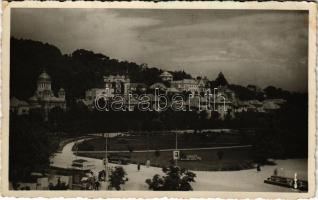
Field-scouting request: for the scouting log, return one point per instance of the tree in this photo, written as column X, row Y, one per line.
column 117, row 178
column 220, row 155
column 220, row 80
column 101, row 175
column 180, row 75
column 76, row 72
column 130, row 149
column 157, row 155
column 59, row 186
column 30, row 147
column 176, row 179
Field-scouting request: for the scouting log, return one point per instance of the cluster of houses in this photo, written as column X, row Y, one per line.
column 198, row 93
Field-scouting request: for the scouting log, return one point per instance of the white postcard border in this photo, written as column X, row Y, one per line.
column 5, row 72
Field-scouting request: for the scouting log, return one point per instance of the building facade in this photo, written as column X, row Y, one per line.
column 187, row 85
column 166, row 76
column 44, row 97
column 119, row 84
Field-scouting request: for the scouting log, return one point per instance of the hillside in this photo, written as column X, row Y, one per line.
column 82, row 70
column 76, row 72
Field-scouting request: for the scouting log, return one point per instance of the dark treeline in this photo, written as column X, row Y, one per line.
column 30, row 147
column 82, row 70
column 76, row 72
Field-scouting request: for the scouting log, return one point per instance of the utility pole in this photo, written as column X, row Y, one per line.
column 177, row 147
column 148, row 146
column 76, row 150
column 106, row 163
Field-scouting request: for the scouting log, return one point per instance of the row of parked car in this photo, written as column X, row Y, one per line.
column 115, row 158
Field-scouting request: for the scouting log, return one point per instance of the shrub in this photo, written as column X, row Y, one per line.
column 176, row 179
column 117, row 178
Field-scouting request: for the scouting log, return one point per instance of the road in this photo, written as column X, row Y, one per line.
column 244, row 180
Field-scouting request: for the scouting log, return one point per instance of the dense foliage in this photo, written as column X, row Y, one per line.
column 76, row 72
column 176, row 179
column 30, row 147
column 117, row 178
column 82, row 70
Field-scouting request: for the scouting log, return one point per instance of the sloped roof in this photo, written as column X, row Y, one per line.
column 55, row 99
column 270, row 106
column 255, row 102
column 173, row 90
column 165, row 74
column 33, row 98
column 14, row 102
column 158, row 85
column 138, row 85
column 189, row 81
column 277, row 101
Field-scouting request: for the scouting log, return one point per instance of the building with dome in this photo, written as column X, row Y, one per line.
column 44, row 97
column 166, row 76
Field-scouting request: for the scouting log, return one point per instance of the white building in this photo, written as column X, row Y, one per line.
column 91, row 94
column 119, row 84
column 166, row 76
column 44, row 97
column 188, row 85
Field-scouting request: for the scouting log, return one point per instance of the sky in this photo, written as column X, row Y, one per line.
column 249, row 46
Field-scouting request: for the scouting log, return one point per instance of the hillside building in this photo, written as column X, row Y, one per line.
column 19, row 107
column 119, row 84
column 166, row 76
column 43, row 98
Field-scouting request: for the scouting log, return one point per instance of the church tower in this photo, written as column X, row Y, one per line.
column 44, row 82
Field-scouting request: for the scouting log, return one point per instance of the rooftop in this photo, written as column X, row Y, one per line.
column 44, row 76
column 165, row 74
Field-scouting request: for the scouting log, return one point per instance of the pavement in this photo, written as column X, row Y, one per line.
column 243, row 180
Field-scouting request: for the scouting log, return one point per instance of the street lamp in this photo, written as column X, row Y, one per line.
column 106, row 162
column 177, row 147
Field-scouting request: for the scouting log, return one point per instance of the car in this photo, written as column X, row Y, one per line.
column 82, row 164
column 193, row 157
column 119, row 159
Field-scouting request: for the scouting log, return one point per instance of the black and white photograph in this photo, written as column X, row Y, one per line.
column 155, row 99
